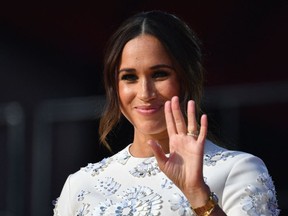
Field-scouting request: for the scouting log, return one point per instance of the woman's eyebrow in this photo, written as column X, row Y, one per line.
column 132, row 70
column 129, row 70
column 162, row 66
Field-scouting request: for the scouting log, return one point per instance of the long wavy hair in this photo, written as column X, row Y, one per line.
column 181, row 44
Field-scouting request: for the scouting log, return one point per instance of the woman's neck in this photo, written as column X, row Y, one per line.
column 140, row 147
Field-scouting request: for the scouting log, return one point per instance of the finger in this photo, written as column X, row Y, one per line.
column 169, row 119
column 178, row 116
column 191, row 114
column 203, row 129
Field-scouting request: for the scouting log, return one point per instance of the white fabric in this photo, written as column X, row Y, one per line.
column 125, row 185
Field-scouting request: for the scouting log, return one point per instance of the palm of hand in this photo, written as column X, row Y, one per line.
column 185, row 162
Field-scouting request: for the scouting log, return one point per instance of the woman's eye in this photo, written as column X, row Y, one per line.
column 129, row 77
column 160, row 74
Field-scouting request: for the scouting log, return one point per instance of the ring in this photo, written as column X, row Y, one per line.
column 193, row 133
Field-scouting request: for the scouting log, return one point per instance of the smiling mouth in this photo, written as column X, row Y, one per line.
column 148, row 110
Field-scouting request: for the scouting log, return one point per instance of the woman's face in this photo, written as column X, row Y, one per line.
column 147, row 78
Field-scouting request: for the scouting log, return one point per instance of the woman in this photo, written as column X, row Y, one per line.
column 153, row 77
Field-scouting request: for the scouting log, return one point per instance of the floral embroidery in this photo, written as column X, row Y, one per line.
column 108, row 187
column 55, row 210
column 259, row 202
column 180, row 203
column 135, row 201
column 146, row 168
column 123, row 157
column 84, row 210
column 166, row 183
column 259, row 199
column 95, row 168
column 82, row 194
column 212, row 159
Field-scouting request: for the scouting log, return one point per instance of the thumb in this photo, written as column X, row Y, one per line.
column 158, row 153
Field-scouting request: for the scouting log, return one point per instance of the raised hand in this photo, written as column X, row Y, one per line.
column 184, row 166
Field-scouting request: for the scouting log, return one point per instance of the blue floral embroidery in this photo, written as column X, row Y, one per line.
column 123, row 157
column 95, row 168
column 258, row 202
column 166, row 183
column 148, row 167
column 82, row 194
column 134, row 201
column 212, row 159
column 84, row 210
column 108, row 186
column 180, row 204
column 55, row 210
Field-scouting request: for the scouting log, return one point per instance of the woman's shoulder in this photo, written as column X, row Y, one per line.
column 247, row 175
column 95, row 168
column 214, row 153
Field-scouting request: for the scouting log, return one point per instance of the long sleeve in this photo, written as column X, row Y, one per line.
column 242, row 182
column 63, row 203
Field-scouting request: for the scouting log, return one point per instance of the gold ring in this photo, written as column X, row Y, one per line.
column 193, row 133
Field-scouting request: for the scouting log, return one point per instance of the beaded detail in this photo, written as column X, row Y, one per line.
column 96, row 168
column 254, row 200
column 134, row 201
column 108, row 186
column 120, row 198
column 180, row 204
column 148, row 167
column 212, row 158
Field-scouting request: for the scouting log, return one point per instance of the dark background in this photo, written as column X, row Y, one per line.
column 51, row 64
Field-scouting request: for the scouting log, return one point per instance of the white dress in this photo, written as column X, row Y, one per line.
column 125, row 185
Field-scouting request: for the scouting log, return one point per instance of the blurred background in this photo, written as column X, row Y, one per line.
column 51, row 92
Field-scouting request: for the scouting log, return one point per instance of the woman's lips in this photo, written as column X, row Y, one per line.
column 148, row 109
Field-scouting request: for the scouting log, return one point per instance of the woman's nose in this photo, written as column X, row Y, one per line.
column 146, row 90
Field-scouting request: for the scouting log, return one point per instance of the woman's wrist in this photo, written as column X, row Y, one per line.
column 198, row 197
column 209, row 206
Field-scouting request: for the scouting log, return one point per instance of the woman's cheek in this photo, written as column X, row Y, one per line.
column 125, row 92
